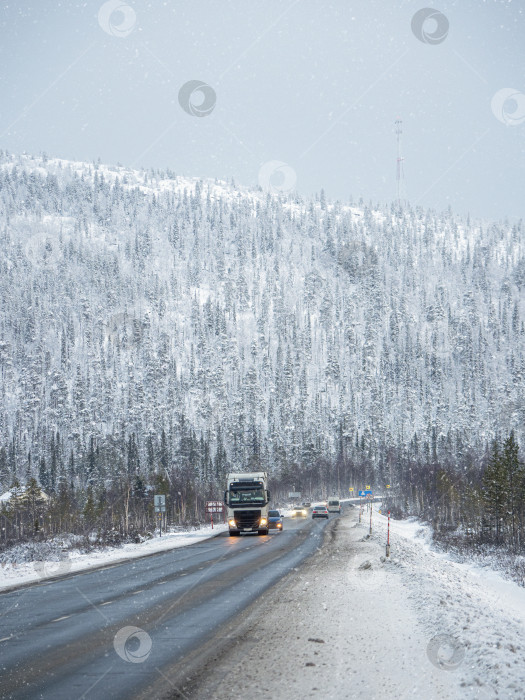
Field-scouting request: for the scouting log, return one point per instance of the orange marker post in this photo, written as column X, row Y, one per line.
column 388, row 536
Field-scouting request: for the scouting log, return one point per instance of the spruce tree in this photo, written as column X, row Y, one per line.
column 4, row 469
column 495, row 496
column 43, row 474
column 514, row 473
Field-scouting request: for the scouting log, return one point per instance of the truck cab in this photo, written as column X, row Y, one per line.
column 247, row 501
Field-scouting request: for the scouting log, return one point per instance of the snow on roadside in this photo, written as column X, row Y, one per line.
column 481, row 613
column 75, row 561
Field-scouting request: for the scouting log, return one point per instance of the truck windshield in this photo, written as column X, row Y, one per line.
column 246, row 495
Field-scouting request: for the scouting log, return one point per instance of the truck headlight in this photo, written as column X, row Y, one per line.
column 263, row 521
column 232, row 523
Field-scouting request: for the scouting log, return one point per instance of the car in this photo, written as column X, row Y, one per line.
column 275, row 520
column 320, row 512
column 299, row 512
column 307, row 505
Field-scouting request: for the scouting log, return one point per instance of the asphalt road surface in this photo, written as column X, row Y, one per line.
column 120, row 631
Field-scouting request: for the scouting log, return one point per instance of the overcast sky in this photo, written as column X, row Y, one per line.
column 316, row 85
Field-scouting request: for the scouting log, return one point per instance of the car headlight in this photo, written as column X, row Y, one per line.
column 232, row 523
column 279, row 524
column 263, row 521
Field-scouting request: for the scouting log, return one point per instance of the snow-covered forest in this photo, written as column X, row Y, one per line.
column 157, row 326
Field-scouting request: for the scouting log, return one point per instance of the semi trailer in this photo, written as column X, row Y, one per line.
column 247, row 501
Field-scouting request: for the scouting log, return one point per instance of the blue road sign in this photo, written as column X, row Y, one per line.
column 362, row 493
column 367, row 493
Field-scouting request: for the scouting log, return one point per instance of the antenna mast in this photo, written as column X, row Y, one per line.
column 400, row 172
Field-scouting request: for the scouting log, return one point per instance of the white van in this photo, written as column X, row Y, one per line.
column 334, row 505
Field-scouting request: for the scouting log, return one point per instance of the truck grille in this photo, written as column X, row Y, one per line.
column 247, row 518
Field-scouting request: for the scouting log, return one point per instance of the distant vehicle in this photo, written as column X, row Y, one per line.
column 247, row 498
column 307, row 505
column 334, row 505
column 299, row 512
column 320, row 512
column 275, row 520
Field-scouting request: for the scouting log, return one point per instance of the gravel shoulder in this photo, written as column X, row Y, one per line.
column 333, row 630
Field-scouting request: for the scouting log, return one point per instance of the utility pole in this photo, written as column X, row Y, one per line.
column 400, row 171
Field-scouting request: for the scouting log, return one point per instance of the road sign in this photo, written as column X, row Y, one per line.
column 160, row 503
column 294, row 494
column 160, row 507
column 351, row 488
column 214, row 507
column 362, row 493
column 387, row 486
column 368, row 492
column 367, row 488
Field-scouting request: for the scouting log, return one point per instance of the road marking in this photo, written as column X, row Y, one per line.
column 5, row 639
column 61, row 618
column 137, row 592
column 106, row 603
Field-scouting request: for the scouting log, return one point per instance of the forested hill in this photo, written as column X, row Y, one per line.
column 149, row 320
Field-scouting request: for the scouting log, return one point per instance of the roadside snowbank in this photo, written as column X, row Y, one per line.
column 477, row 606
column 12, row 575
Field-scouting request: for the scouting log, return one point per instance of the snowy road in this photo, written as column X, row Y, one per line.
column 118, row 632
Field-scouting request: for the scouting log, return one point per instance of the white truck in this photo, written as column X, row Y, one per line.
column 247, row 501
column 334, row 505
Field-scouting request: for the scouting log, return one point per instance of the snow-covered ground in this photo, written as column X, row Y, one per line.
column 352, row 624
column 71, row 561
column 481, row 610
